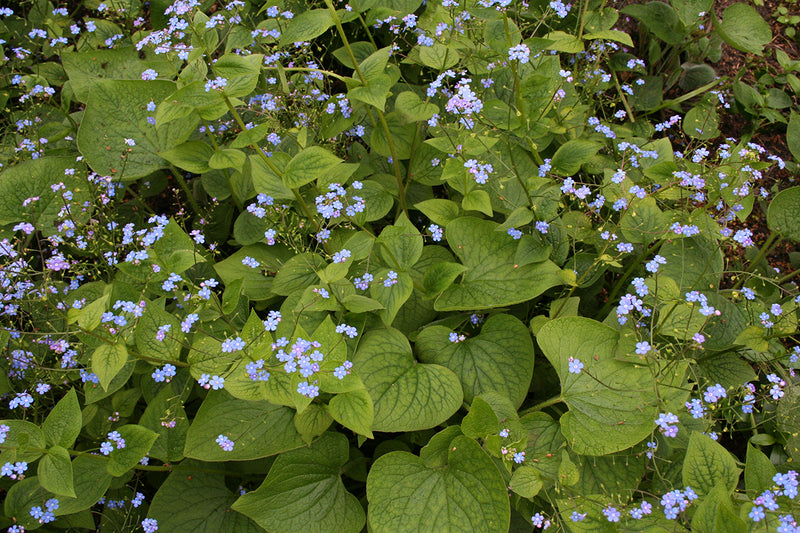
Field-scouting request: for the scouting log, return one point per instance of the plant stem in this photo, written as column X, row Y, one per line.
column 186, row 190
column 541, row 405
column 772, row 241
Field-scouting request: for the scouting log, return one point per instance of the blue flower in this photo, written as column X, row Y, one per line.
column 575, row 365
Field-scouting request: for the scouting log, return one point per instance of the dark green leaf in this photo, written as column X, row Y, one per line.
column 304, row 492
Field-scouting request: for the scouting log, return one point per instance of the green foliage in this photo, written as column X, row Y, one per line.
column 411, row 266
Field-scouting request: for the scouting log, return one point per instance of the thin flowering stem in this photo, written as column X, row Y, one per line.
column 772, row 241
column 186, row 190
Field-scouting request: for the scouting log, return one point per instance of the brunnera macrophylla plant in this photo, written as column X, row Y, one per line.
column 347, row 266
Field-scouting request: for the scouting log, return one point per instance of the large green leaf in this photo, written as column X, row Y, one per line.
column 572, row 154
column 693, row 263
column 744, row 29
column 468, row 494
column 85, row 68
column 307, row 166
column 304, row 492
column 783, row 215
column 63, row 424
column 197, row 501
column 307, row 25
column 407, row 396
column 612, row 408
column 117, row 110
column 492, row 278
column 708, row 464
column 32, row 179
column 499, row 358
column 660, row 19
column 258, row 429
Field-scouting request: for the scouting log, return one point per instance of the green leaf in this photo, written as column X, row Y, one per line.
column 438, row 56
column 258, row 429
column 168, row 406
column 304, row 492
column 117, row 110
column 754, row 338
column 660, row 19
column 191, row 155
column 758, row 472
column 393, row 297
column 480, row 421
column 744, row 29
column 175, row 250
column 242, row 73
column 33, row 179
column 361, row 304
column 107, row 361
column 612, row 409
column 138, row 441
column 643, row 222
column 563, row 42
column 89, row 479
column 793, row 135
column 145, row 334
column 477, row 200
column 407, row 396
column 610, row 35
column 694, row 263
column 196, row 501
column 568, row 473
column 710, row 511
column 499, row 358
column 440, row 211
column 526, row 481
column 312, row 421
column 402, row 136
column 468, row 494
column 63, row 424
column 374, row 93
column 307, row 166
column 256, row 285
column 572, row 154
column 410, row 107
column 354, row 410
column 306, row 26
column 701, row 122
column 726, row 368
column 227, row 158
column 783, row 215
column 440, row 276
column 86, row 68
column 708, row 464
column 401, row 244
column 55, row 472
column 491, row 278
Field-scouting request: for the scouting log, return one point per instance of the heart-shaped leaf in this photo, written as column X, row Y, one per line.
column 500, row 358
column 492, row 278
column 407, row 396
column 611, row 402
column 304, row 492
column 468, row 494
column 258, row 429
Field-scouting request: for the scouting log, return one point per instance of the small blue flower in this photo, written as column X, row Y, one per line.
column 575, row 365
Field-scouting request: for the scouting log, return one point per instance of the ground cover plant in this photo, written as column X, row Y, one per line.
column 443, row 265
